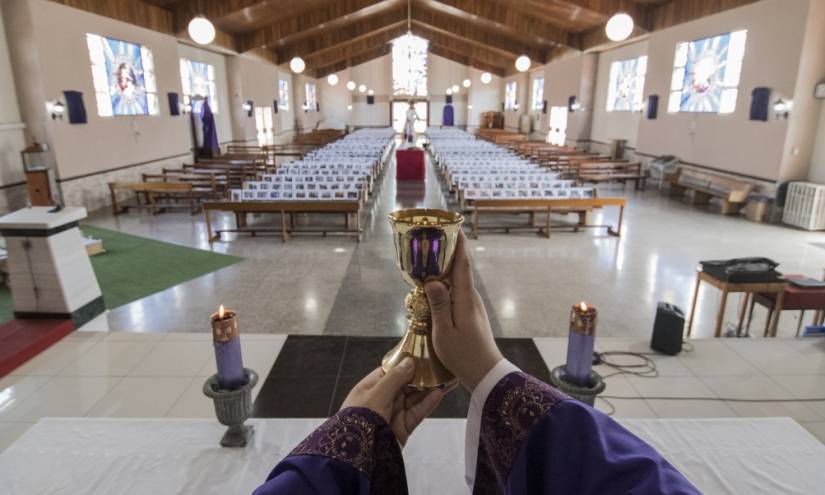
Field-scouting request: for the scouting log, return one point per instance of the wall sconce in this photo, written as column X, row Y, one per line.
column 56, row 108
column 573, row 104
column 781, row 108
column 247, row 107
column 349, row 107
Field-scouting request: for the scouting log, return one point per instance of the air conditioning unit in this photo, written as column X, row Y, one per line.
column 805, row 206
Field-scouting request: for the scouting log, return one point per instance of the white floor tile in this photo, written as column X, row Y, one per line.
column 691, row 409
column 258, row 355
column 99, row 323
column 553, row 351
column 55, row 358
column 670, row 386
column 171, row 358
column 192, row 403
column 783, row 356
column 619, row 386
column 816, row 429
column 15, row 389
column 62, row 396
column 10, row 432
column 80, row 334
column 190, row 336
column 135, row 336
column 803, row 386
column 746, row 387
column 714, row 358
column 141, row 397
column 796, row 410
column 109, row 358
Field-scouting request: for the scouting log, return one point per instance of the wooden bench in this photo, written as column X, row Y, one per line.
column 204, row 186
column 287, row 210
column 613, row 171
column 531, row 206
column 733, row 193
column 152, row 190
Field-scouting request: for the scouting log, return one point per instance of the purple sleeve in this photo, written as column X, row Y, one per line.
column 536, row 440
column 353, row 452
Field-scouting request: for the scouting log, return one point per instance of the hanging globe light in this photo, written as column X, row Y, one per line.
column 486, row 78
column 332, row 79
column 370, row 92
column 455, row 88
column 619, row 27
column 449, row 91
column 523, row 63
column 297, row 65
column 201, row 30
column 466, row 83
column 362, row 88
column 351, row 85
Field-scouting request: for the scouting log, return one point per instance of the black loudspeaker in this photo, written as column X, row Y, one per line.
column 251, row 106
column 652, row 106
column 275, row 106
column 544, row 106
column 668, row 329
column 370, row 99
column 448, row 99
column 76, row 107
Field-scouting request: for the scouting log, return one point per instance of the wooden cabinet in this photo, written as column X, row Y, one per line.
column 37, row 185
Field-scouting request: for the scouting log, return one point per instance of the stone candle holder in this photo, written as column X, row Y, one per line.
column 587, row 394
column 233, row 407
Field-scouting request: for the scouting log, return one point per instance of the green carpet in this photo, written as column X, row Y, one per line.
column 135, row 267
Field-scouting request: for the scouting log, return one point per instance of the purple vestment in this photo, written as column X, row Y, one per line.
column 533, row 440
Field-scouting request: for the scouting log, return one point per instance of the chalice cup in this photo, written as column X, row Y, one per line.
column 425, row 241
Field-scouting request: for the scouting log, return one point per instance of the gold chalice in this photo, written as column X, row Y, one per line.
column 425, row 241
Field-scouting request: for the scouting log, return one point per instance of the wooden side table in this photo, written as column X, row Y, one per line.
column 748, row 288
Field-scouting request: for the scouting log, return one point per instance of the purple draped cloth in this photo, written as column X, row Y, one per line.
column 447, row 116
column 533, row 440
column 210, row 135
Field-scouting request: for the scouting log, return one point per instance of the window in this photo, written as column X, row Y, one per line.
column 198, row 81
column 283, row 95
column 311, row 97
column 409, row 66
column 706, row 73
column 537, row 100
column 626, row 85
column 123, row 75
column 510, row 102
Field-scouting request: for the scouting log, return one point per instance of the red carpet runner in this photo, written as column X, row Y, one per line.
column 21, row 340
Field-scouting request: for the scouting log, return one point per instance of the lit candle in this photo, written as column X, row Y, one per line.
column 580, row 344
column 226, row 337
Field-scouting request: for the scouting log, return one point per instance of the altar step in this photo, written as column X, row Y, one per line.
column 21, row 340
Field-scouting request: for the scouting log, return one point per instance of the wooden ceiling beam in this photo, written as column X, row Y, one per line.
column 333, row 54
column 317, row 18
column 307, row 46
column 213, row 10
column 509, row 45
column 459, row 58
column 501, row 15
column 459, row 45
column 672, row 13
column 352, row 61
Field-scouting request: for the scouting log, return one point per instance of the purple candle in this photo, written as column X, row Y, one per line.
column 227, row 340
column 580, row 344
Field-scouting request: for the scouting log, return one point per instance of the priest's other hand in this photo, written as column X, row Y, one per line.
column 462, row 336
column 384, row 393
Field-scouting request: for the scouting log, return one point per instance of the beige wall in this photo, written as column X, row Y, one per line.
column 307, row 118
column 443, row 73
column 511, row 117
column 483, row 97
column 817, row 172
column 614, row 125
column 572, row 75
column 377, row 75
column 12, row 139
column 223, row 119
column 334, row 101
column 729, row 142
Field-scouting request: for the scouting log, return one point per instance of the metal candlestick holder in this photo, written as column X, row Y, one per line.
column 586, row 394
column 232, row 407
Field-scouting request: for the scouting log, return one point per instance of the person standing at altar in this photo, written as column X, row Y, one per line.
column 523, row 436
column 409, row 125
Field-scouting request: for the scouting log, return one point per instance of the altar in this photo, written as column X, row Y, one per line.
column 148, row 456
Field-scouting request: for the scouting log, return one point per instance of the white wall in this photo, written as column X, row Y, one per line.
column 376, row 75
column 729, row 142
column 443, row 73
column 615, row 125
column 817, row 172
column 511, row 117
column 307, row 118
column 572, row 75
column 483, row 97
column 334, row 101
column 11, row 128
column 223, row 119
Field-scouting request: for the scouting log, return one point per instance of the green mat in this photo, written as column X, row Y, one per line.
column 135, row 267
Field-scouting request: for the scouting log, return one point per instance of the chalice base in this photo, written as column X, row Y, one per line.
column 417, row 343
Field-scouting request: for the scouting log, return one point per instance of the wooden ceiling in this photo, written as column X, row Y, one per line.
column 331, row 35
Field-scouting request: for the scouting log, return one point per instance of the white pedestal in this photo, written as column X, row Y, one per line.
column 49, row 270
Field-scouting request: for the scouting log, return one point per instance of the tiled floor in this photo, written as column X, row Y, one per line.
column 86, row 375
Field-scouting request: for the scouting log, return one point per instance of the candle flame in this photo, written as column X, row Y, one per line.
column 220, row 311
column 582, row 306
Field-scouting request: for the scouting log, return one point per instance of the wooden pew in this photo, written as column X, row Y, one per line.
column 152, row 190
column 613, row 171
column 204, row 186
column 732, row 192
column 532, row 206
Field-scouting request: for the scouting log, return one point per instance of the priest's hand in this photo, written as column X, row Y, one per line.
column 384, row 393
column 462, row 336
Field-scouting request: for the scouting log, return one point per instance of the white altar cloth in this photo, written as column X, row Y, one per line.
column 182, row 456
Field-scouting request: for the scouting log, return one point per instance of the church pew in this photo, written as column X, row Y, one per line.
column 733, row 193
column 152, row 191
column 612, row 171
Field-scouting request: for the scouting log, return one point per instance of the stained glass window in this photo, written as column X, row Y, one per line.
column 537, row 100
column 198, row 81
column 123, row 75
column 312, row 97
column 283, row 94
column 626, row 85
column 510, row 91
column 706, row 74
column 409, row 65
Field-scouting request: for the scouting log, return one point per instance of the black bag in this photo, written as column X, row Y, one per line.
column 738, row 270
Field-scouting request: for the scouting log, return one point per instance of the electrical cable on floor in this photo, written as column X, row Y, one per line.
column 646, row 368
